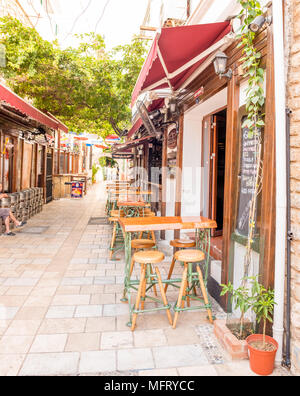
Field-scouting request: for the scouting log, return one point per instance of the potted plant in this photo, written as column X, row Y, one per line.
column 262, row 348
column 242, row 298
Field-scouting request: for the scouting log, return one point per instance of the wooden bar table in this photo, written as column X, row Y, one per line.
column 128, row 208
column 132, row 207
column 201, row 225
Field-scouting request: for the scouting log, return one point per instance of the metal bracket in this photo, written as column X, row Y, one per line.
column 290, row 236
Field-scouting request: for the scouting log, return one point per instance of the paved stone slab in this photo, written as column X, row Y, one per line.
column 179, row 356
column 57, row 312
column 88, row 311
column 49, row 343
column 11, row 364
column 117, row 340
column 135, row 359
column 97, row 361
column 50, row 364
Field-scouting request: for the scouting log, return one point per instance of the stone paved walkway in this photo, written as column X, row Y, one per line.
column 60, row 309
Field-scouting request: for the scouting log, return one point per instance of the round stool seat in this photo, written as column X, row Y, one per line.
column 189, row 256
column 183, row 243
column 114, row 219
column 149, row 257
column 114, row 213
column 142, row 244
column 150, row 214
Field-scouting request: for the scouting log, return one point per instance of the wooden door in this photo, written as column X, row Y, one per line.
column 26, row 165
column 213, row 168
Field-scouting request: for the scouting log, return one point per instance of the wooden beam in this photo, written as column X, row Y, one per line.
column 268, row 205
column 188, row 8
column 15, row 164
column 178, row 193
column 231, row 179
column 164, row 178
column 58, row 154
column 148, row 28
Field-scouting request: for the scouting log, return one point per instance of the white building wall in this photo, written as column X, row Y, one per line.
column 193, row 195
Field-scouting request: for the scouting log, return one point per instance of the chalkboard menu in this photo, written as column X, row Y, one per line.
column 248, row 168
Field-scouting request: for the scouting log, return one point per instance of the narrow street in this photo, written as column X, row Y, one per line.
column 60, row 309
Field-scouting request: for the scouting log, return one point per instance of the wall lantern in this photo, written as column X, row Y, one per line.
column 259, row 22
column 220, row 65
column 173, row 105
column 158, row 135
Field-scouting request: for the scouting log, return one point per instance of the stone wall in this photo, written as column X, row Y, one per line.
column 292, row 23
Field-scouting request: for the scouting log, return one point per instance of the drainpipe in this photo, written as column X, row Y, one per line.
column 281, row 178
column 287, row 359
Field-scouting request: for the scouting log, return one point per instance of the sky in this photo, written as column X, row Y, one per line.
column 116, row 20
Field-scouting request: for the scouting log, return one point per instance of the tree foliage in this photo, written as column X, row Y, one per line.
column 87, row 87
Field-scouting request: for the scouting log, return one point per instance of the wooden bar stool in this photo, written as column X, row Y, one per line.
column 141, row 244
column 151, row 234
column 181, row 244
column 146, row 259
column 115, row 234
column 189, row 279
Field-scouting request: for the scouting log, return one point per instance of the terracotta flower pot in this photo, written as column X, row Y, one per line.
column 261, row 362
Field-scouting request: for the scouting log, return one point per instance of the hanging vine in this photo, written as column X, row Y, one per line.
column 251, row 62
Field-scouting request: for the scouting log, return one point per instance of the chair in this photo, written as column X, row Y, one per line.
column 189, row 278
column 146, row 259
column 181, row 244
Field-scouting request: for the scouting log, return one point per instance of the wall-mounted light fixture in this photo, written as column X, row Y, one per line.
column 158, row 135
column 154, row 114
column 220, row 65
column 259, row 22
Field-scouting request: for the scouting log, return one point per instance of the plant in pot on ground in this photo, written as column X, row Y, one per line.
column 262, row 348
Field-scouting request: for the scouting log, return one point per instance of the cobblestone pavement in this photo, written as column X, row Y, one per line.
column 60, row 309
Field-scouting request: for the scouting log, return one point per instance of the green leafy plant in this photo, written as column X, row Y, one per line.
column 242, row 298
column 251, row 64
column 263, row 306
column 95, row 170
column 87, row 87
column 252, row 295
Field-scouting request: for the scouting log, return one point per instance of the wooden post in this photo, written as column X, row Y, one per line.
column 15, row 164
column 45, row 172
column 58, row 154
column 231, row 178
column 188, row 8
column 164, row 178
column 1, row 157
column 179, row 173
column 268, row 204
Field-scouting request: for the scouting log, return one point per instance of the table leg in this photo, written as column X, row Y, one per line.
column 127, row 240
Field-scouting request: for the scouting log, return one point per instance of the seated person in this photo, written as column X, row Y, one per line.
column 6, row 215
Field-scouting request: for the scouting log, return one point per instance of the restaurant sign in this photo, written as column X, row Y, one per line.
column 77, row 190
column 172, row 139
column 122, row 156
column 198, row 94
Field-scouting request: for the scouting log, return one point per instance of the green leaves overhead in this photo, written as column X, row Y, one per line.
column 87, row 87
column 251, row 64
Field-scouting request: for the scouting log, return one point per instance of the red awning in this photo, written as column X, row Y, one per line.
column 176, row 53
column 62, row 126
column 9, row 97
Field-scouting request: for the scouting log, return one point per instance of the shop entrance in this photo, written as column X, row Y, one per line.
column 217, row 169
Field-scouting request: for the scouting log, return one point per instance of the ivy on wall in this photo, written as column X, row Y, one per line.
column 251, row 63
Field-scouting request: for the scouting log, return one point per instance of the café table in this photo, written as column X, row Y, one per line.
column 127, row 207
column 130, row 225
column 132, row 206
